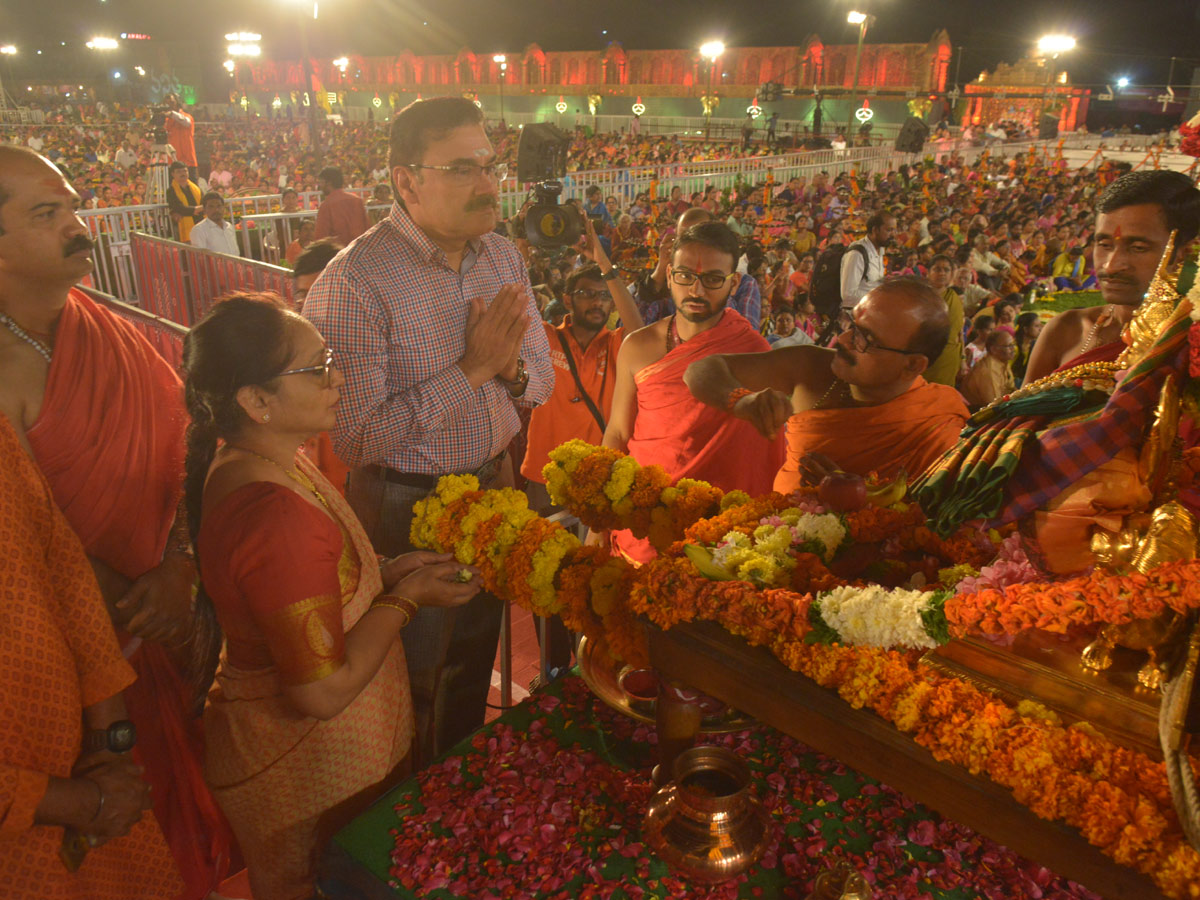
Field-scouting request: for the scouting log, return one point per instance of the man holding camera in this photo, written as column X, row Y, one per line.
column 181, row 133
column 429, row 313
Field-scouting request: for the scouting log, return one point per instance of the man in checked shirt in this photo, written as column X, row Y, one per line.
column 427, row 315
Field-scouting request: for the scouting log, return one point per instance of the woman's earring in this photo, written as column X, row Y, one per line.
column 266, row 417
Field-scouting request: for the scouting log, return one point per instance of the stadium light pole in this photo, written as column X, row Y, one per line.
column 8, row 51
column 314, row 140
column 1050, row 46
column 503, row 61
column 863, row 21
column 711, row 51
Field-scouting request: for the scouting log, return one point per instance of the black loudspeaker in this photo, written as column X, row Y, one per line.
column 1048, row 128
column 542, row 152
column 911, row 138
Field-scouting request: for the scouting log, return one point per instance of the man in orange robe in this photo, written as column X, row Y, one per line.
column 61, row 669
column 861, row 407
column 102, row 415
column 654, row 417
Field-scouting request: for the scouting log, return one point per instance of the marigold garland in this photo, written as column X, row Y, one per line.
column 607, row 490
column 1116, row 797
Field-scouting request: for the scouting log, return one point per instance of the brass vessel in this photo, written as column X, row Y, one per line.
column 842, row 882
column 706, row 824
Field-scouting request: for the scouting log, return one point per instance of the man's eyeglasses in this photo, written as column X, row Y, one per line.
column 589, row 294
column 323, row 369
column 864, row 342
column 709, row 280
column 464, row 173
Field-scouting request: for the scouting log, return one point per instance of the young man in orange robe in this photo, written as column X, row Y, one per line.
column 654, row 417
column 861, row 407
column 102, row 415
column 61, row 677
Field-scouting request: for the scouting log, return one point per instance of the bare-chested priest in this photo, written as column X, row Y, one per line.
column 1135, row 217
column 102, row 415
column 862, row 406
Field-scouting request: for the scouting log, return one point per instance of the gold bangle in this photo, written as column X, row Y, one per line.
column 401, row 604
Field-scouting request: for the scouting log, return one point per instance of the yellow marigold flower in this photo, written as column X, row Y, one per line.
column 568, row 455
column 952, row 575
column 734, row 498
column 546, row 562
column 604, row 585
column 620, row 480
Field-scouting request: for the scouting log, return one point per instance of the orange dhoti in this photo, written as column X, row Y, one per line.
column 690, row 439
column 58, row 655
column 908, row 432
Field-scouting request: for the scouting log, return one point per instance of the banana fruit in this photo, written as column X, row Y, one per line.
column 889, row 492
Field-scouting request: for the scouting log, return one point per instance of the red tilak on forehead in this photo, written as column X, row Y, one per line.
column 57, row 185
column 1117, row 233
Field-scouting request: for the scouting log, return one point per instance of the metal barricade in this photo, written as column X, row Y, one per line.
column 111, row 230
column 268, row 236
column 180, row 282
column 164, row 335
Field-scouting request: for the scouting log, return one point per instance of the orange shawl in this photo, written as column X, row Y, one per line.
column 110, row 437
column 57, row 656
column 908, row 432
column 691, row 439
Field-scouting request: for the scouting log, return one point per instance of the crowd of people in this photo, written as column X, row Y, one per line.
column 106, row 153
column 989, row 237
column 248, row 627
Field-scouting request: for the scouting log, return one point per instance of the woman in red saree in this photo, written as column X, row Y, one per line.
column 311, row 711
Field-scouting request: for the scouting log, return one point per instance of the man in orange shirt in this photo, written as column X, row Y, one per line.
column 584, row 354
column 181, row 134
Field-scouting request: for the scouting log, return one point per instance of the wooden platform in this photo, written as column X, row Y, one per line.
column 707, row 657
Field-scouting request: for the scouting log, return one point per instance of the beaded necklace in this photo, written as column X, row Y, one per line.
column 297, row 476
column 836, row 382
column 1101, row 320
column 24, row 335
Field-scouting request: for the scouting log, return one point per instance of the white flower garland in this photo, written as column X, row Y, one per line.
column 873, row 616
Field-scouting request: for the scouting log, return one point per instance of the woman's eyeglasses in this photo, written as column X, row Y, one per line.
column 324, row 369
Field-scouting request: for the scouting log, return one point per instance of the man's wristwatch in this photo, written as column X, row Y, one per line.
column 611, row 275
column 119, row 737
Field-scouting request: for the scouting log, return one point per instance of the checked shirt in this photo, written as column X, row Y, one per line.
column 394, row 314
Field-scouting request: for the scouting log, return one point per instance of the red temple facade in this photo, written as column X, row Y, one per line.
column 615, row 70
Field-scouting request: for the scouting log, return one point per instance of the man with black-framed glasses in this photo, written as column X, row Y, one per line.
column 429, row 313
column 654, row 418
column 863, row 406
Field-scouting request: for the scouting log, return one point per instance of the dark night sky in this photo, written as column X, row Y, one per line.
column 1117, row 37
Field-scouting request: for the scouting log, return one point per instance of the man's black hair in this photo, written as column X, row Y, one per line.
column 211, row 195
column 717, row 235
column 1173, row 191
column 316, row 256
column 333, row 175
column 587, row 273
column 876, row 221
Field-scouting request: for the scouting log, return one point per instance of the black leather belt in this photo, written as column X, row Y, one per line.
column 485, row 473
